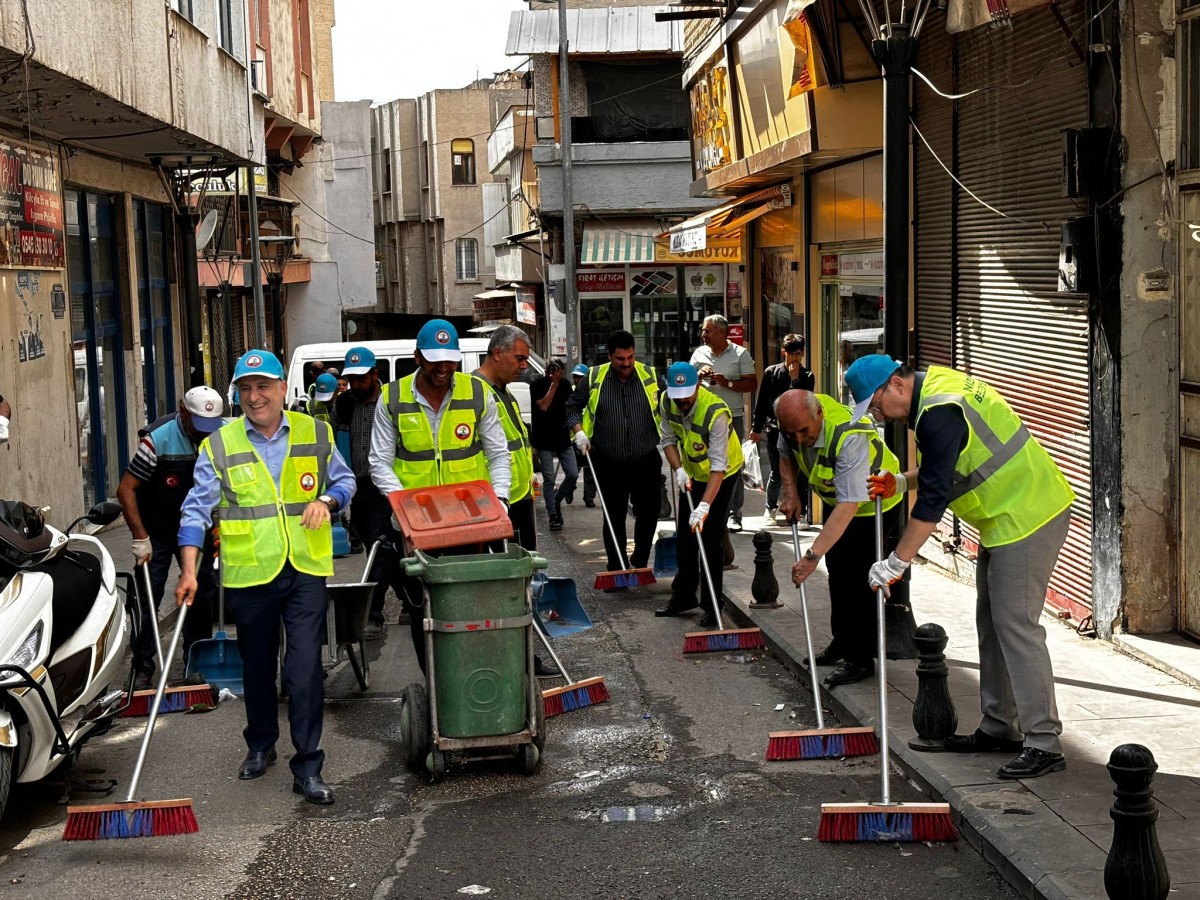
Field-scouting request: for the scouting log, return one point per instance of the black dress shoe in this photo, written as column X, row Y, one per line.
column 848, row 673
column 545, row 670
column 590, row 504
column 1033, row 762
column 981, row 742
column 255, row 763
column 313, row 789
column 708, row 620
column 828, row 657
column 671, row 610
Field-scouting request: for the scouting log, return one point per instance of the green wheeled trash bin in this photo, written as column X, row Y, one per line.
column 482, row 697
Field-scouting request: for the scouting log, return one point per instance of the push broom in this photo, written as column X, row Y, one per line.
column 821, row 742
column 136, row 818
column 175, row 699
column 884, row 821
column 574, row 694
column 624, row 578
column 723, row 638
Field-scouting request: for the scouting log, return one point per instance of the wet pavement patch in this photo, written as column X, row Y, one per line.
column 635, row 814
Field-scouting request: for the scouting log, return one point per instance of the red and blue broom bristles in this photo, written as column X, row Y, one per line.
column 822, row 744
column 116, row 821
column 717, row 641
column 625, row 578
column 178, row 699
column 898, row 823
column 576, row 696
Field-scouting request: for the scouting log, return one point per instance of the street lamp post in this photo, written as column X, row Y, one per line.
column 277, row 249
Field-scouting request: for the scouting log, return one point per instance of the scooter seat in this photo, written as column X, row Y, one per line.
column 76, row 582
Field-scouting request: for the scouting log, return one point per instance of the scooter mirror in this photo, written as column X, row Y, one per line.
column 104, row 512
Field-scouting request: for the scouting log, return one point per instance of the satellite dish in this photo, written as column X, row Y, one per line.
column 204, row 233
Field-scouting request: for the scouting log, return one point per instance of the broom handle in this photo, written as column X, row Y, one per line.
column 612, row 531
column 537, row 626
column 158, row 695
column 153, row 609
column 716, row 601
column 812, row 659
column 882, row 650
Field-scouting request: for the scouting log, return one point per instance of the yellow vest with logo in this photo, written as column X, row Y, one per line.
column 319, row 409
column 644, row 374
column 260, row 526
column 458, row 454
column 819, row 463
column 1005, row 483
column 519, row 448
column 694, row 435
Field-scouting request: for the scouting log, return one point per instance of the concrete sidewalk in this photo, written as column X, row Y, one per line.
column 1049, row 836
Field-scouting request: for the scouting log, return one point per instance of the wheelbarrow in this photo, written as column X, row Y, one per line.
column 346, row 622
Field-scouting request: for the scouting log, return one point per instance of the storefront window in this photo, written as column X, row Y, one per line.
column 853, row 314
column 654, row 310
column 778, row 291
column 599, row 317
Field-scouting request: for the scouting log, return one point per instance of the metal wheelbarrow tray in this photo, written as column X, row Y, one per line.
column 345, row 624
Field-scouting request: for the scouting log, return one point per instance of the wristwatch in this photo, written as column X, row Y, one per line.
column 812, row 557
column 328, row 501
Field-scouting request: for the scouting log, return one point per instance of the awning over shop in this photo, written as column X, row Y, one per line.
column 726, row 220
column 496, row 294
column 618, row 241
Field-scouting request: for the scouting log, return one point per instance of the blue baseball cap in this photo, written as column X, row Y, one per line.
column 866, row 375
column 580, row 369
column 326, row 387
column 258, row 362
column 682, row 380
column 359, row 361
column 438, row 341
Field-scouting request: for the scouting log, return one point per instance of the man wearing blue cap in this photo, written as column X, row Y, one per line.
column 370, row 514
column 706, row 457
column 275, row 478
column 324, row 388
column 976, row 457
column 437, row 426
column 151, row 493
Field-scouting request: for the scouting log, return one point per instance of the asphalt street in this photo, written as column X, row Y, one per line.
column 662, row 792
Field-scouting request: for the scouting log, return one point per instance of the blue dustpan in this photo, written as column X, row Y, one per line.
column 666, row 561
column 556, row 602
column 217, row 658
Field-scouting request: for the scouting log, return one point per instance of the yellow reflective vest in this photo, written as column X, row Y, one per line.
column 694, row 435
column 1004, row 483
column 819, row 463
column 520, row 450
column 644, row 374
column 260, row 525
column 458, row 455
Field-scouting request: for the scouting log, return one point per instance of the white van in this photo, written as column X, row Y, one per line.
column 394, row 360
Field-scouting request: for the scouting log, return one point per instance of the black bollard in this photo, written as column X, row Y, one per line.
column 765, row 587
column 933, row 716
column 726, row 550
column 1135, row 869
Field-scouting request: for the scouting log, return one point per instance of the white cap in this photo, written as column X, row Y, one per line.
column 206, row 408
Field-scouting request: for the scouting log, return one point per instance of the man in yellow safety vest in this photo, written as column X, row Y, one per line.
column 275, row 477
column 706, row 460
column 436, row 426
column 977, row 458
column 820, row 439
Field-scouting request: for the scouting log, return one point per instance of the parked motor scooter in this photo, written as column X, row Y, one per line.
column 63, row 637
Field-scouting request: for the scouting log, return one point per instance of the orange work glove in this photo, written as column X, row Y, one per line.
column 886, row 484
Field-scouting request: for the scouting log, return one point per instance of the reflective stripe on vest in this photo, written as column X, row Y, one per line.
column 260, row 524
column 596, row 381
column 1004, row 482
column 519, row 449
column 693, row 436
column 819, row 465
column 458, row 454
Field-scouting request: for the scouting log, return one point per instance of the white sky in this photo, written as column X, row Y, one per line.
column 387, row 49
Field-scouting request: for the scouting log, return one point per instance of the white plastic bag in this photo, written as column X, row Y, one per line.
column 752, row 468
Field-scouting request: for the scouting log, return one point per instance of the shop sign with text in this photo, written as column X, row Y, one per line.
column 720, row 250
column 600, row 282
column 31, row 210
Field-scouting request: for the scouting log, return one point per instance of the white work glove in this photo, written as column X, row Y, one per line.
column 681, row 479
column 142, row 550
column 3, row 429
column 886, row 572
column 581, row 442
column 699, row 514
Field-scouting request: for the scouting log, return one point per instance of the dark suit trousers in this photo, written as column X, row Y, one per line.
column 690, row 576
column 619, row 482
column 299, row 602
column 852, row 602
column 372, row 517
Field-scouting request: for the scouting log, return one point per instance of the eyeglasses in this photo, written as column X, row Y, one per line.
column 874, row 407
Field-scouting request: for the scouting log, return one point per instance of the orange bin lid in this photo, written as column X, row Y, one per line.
column 450, row 515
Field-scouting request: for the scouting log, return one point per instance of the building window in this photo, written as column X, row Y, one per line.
column 184, row 8
column 466, row 259
column 225, row 25
column 1188, row 52
column 462, row 153
column 387, row 170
